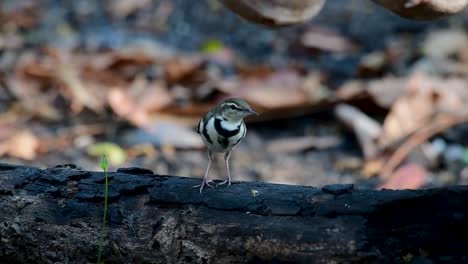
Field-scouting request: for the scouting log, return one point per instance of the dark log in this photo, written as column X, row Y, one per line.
column 54, row 216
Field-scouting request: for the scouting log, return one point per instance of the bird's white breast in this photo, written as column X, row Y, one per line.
column 230, row 125
column 216, row 138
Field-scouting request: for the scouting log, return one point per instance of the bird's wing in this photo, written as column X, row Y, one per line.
column 198, row 127
column 204, row 119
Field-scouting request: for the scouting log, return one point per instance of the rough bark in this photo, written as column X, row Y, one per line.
column 54, row 216
column 289, row 12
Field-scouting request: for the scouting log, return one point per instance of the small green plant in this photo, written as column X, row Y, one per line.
column 106, row 188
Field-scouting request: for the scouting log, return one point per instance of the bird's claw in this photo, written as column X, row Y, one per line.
column 204, row 182
column 224, row 182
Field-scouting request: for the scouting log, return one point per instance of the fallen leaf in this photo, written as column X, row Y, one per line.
column 139, row 100
column 443, row 43
column 26, row 15
column 137, row 55
column 281, row 89
column 23, row 144
column 410, row 176
column 27, row 89
column 423, row 98
column 386, row 91
column 179, row 68
column 276, row 12
column 350, row 90
column 261, row 71
column 155, row 97
column 81, row 92
column 327, row 40
column 123, row 8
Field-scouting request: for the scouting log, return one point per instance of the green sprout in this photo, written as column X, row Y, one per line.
column 103, row 230
column 254, row 192
column 212, row 46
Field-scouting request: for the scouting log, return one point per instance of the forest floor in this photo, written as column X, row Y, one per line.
column 357, row 95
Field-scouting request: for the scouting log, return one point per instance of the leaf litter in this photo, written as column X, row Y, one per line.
column 146, row 99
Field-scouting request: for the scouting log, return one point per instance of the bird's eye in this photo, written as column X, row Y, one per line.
column 233, row 107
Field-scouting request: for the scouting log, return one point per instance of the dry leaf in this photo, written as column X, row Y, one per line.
column 351, row 90
column 140, row 55
column 123, row 8
column 443, row 43
column 25, row 14
column 139, row 100
column 386, row 91
column 82, row 93
column 124, row 105
column 275, row 12
column 423, row 98
column 23, row 145
column 410, row 176
column 327, row 40
column 281, row 89
column 27, row 89
column 180, row 68
column 155, row 97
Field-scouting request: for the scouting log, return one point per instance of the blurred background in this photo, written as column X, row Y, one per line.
column 356, row 95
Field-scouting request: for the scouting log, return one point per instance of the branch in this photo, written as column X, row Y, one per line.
column 54, row 216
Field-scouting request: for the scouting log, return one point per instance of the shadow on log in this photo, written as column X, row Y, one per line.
column 54, row 216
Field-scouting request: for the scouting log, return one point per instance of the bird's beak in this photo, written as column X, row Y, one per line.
column 250, row 112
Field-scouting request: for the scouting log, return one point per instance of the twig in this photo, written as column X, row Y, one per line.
column 366, row 129
column 417, row 138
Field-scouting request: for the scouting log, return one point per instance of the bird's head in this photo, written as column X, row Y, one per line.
column 235, row 109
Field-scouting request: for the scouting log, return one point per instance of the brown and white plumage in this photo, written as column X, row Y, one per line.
column 222, row 129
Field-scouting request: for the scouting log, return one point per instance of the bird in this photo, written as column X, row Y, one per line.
column 222, row 128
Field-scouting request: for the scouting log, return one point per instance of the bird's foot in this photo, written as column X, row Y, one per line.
column 224, row 182
column 201, row 185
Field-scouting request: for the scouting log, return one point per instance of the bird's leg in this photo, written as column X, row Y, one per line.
column 228, row 180
column 205, row 180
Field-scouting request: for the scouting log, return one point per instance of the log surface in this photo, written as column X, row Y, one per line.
column 54, row 216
